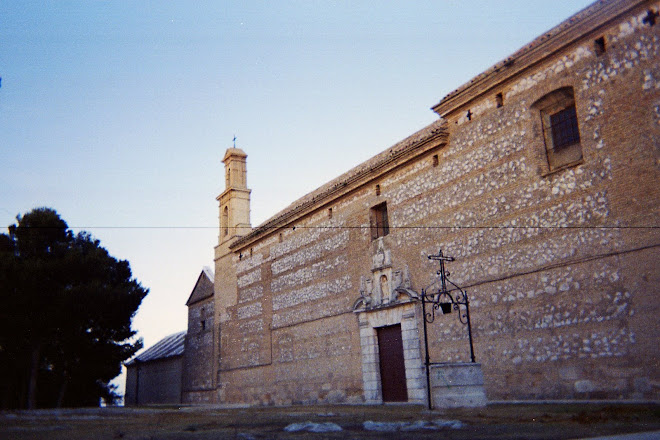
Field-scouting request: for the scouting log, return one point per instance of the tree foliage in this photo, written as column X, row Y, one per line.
column 66, row 307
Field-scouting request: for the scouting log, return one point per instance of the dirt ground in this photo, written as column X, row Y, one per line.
column 496, row 421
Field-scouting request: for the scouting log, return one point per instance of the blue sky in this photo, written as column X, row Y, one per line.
column 117, row 113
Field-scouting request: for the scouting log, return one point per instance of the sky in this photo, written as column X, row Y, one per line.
column 117, row 113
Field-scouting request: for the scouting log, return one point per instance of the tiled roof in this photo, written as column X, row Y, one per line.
column 322, row 194
column 167, row 347
column 574, row 27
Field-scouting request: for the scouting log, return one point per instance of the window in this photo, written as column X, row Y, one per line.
column 564, row 128
column 378, row 221
column 499, row 100
column 436, row 161
column 599, row 45
column 225, row 221
column 650, row 18
column 561, row 134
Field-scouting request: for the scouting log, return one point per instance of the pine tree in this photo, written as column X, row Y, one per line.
column 66, row 307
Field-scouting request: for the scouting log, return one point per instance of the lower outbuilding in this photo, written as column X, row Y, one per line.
column 154, row 376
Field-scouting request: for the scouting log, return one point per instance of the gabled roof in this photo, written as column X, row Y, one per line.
column 167, row 347
column 203, row 287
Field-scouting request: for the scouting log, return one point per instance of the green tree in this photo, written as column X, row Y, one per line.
column 66, row 307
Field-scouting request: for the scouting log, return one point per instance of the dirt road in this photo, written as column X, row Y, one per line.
column 496, row 421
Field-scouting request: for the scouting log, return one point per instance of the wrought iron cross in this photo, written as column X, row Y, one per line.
column 442, row 299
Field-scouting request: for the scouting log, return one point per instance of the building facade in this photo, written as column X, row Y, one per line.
column 198, row 381
column 154, row 376
column 540, row 177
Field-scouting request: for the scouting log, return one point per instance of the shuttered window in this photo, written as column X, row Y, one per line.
column 378, row 221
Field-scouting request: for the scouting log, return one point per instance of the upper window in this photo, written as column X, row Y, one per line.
column 378, row 221
column 560, row 128
column 225, row 221
column 564, row 128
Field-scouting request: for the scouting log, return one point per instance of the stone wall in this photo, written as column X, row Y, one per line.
column 561, row 265
column 558, row 294
column 199, row 355
column 292, row 326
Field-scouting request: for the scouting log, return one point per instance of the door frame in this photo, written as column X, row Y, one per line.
column 404, row 314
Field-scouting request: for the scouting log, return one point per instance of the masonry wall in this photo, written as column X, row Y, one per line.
column 154, row 382
column 199, row 355
column 565, row 285
column 561, row 267
column 292, row 337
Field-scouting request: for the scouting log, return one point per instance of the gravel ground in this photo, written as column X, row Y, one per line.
column 496, row 421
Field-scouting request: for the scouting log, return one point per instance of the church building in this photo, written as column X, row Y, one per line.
column 540, row 179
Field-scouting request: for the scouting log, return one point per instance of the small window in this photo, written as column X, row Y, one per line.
column 378, row 221
column 436, row 161
column 599, row 45
column 203, row 324
column 329, row 212
column 651, row 17
column 225, row 221
column 561, row 133
column 564, row 127
column 499, row 100
column 377, row 190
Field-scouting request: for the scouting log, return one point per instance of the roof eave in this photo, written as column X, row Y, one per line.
column 585, row 22
column 349, row 181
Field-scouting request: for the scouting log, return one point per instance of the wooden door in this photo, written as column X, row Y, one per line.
column 392, row 366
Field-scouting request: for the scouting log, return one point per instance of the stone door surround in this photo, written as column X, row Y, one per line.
column 369, row 320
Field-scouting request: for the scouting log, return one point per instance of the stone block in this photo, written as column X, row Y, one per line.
column 470, row 396
column 336, row 396
column 457, row 385
column 457, row 374
column 584, row 386
column 411, row 354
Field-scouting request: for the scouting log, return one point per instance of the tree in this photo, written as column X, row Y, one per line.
column 66, row 307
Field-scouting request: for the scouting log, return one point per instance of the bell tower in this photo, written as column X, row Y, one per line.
column 235, row 199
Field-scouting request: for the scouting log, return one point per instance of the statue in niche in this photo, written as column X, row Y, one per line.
column 384, row 289
column 381, row 287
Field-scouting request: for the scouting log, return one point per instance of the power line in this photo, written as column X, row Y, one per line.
column 296, row 227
